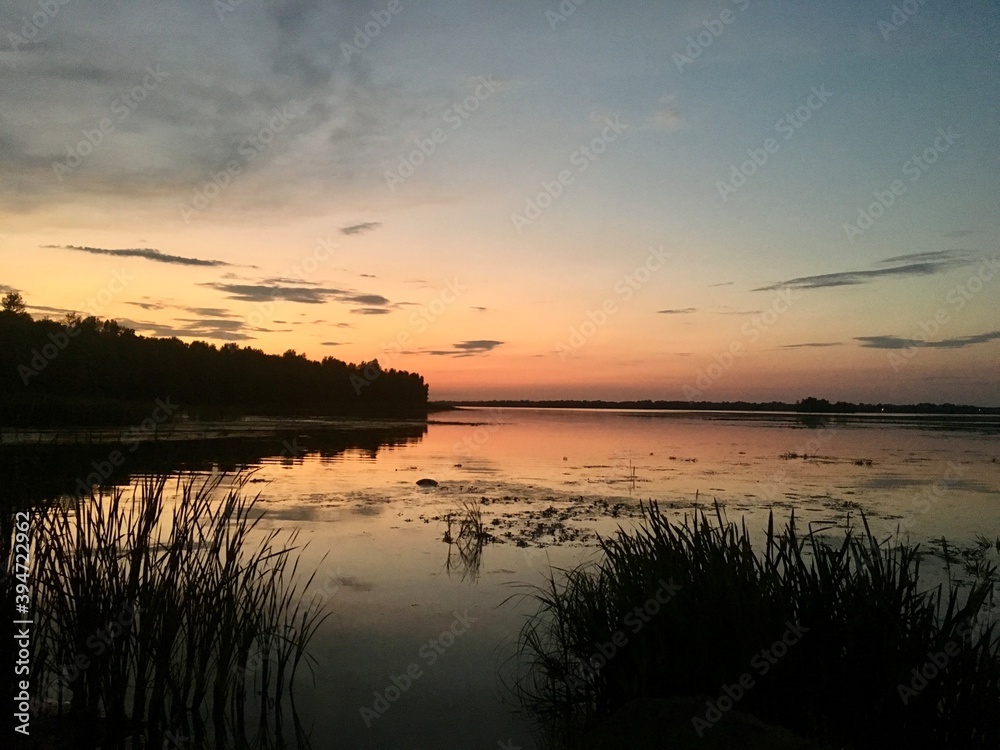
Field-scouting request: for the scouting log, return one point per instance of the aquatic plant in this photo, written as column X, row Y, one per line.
column 879, row 660
column 158, row 616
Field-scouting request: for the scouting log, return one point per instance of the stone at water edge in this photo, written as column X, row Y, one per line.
column 427, row 483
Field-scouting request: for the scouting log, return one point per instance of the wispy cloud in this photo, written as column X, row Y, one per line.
column 811, row 345
column 466, row 348
column 147, row 253
column 370, row 311
column 365, row 226
column 368, row 304
column 678, row 311
column 898, row 342
column 914, row 264
column 208, row 328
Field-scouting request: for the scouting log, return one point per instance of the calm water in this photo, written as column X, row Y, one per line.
column 439, row 619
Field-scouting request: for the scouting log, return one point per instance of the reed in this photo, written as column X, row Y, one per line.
column 867, row 616
column 154, row 618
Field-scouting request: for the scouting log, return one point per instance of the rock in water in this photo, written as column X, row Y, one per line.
column 427, row 483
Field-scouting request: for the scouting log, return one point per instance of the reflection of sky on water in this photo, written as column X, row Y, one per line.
column 392, row 586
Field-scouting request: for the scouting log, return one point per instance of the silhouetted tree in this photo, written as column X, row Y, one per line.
column 13, row 302
column 87, row 369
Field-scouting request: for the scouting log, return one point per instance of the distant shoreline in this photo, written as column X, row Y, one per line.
column 807, row 406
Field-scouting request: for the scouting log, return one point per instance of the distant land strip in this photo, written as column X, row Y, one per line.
column 807, row 406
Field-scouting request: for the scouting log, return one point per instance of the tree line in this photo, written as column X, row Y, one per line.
column 86, row 370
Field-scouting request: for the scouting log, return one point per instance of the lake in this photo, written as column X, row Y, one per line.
column 423, row 629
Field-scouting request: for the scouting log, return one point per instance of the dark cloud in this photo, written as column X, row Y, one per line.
column 365, row 226
column 932, row 256
column 677, row 311
column 368, row 299
column 368, row 304
column 332, row 343
column 283, row 280
column 199, row 329
column 854, row 278
column 898, row 342
column 143, row 252
column 370, row 311
column 478, row 308
column 466, row 348
column 723, row 283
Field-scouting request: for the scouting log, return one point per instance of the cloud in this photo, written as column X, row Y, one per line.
column 208, row 329
column 332, row 343
column 365, row 226
column 466, row 348
column 368, row 299
column 478, row 308
column 369, row 304
column 897, row 342
column 678, row 311
column 142, row 252
column 723, row 283
column 370, row 311
column 932, row 256
column 916, row 264
column 666, row 119
column 811, row 345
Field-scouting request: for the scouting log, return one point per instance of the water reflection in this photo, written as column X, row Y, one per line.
column 32, row 472
column 466, row 537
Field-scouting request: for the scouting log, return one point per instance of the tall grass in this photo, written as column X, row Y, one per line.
column 869, row 619
column 156, row 620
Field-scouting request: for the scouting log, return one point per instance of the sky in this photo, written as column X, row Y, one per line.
column 694, row 200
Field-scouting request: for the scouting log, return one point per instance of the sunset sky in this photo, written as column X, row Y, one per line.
column 710, row 200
